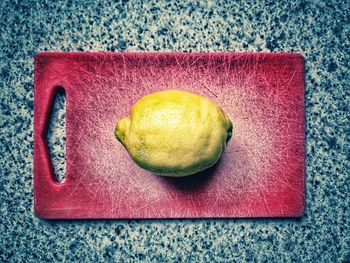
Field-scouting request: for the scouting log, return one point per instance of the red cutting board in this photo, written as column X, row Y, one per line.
column 261, row 173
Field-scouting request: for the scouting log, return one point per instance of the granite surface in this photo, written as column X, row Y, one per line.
column 320, row 31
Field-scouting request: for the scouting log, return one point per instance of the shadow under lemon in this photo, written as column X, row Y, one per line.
column 191, row 183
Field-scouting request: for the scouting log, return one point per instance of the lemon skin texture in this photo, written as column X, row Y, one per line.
column 175, row 133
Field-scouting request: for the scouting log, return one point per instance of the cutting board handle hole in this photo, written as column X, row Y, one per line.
column 56, row 135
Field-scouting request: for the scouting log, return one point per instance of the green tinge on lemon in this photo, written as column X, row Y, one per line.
column 175, row 133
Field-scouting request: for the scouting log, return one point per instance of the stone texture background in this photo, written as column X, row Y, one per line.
column 318, row 30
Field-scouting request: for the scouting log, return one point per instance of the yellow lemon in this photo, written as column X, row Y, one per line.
column 175, row 133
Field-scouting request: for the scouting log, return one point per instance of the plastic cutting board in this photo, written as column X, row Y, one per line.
column 261, row 173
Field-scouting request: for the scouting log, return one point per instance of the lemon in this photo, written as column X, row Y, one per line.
column 175, row 133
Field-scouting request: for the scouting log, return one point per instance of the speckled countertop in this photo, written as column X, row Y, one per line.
column 319, row 31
